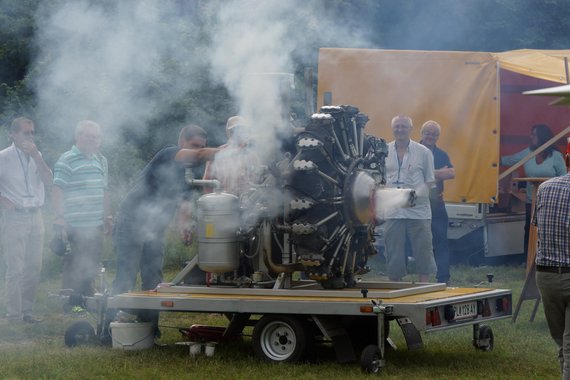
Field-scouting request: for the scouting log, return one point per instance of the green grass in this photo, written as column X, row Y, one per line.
column 522, row 350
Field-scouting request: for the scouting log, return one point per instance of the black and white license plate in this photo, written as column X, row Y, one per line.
column 465, row 310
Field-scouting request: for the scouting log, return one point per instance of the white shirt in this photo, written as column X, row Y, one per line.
column 415, row 171
column 20, row 181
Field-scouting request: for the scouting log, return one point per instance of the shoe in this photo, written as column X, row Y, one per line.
column 75, row 311
column 30, row 319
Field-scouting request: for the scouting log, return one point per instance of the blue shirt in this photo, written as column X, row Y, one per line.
column 552, row 166
column 552, row 217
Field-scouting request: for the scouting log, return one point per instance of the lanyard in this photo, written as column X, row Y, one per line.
column 25, row 170
column 400, row 162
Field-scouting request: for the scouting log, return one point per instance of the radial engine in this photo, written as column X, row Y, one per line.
column 312, row 211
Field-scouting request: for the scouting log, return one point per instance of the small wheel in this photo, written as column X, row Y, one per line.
column 485, row 340
column 280, row 339
column 371, row 359
column 79, row 333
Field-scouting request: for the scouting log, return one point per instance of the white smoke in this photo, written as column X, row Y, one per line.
column 111, row 62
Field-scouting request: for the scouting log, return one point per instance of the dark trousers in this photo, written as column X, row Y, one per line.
column 555, row 293
column 439, row 223
column 81, row 265
column 136, row 251
column 528, row 212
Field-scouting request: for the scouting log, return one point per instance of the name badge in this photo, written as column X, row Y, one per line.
column 28, row 201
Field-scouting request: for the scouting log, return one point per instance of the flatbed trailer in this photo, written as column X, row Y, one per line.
column 287, row 322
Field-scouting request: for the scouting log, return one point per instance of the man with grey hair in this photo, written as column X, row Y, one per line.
column 81, row 207
column 23, row 178
column 409, row 165
column 439, row 220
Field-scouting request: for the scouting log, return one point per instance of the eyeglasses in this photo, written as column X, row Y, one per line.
column 430, row 134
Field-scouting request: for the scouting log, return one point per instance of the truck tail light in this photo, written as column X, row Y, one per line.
column 432, row 317
column 503, row 304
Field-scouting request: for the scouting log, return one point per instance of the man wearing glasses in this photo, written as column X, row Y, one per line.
column 23, row 177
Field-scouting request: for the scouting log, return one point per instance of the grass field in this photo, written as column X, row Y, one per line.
column 523, row 350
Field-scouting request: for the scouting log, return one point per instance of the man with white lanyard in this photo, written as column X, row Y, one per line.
column 409, row 165
column 23, row 175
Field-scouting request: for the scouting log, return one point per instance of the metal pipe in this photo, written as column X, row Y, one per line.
column 217, row 185
column 268, row 260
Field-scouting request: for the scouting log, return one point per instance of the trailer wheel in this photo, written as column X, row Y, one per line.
column 371, row 359
column 485, row 340
column 280, row 339
column 79, row 333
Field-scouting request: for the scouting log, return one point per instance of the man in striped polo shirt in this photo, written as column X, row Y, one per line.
column 81, row 207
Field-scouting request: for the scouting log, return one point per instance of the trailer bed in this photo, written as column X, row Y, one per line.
column 410, row 300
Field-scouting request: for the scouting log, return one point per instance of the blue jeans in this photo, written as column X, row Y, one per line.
column 137, row 252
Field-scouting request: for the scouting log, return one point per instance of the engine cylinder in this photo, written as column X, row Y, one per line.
column 218, row 226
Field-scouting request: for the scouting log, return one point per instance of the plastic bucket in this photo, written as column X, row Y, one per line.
column 132, row 335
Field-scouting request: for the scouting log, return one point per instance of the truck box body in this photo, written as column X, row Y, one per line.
column 477, row 98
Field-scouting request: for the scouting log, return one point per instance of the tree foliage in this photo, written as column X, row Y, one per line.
column 487, row 25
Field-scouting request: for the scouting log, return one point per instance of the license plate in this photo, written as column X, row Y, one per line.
column 465, row 310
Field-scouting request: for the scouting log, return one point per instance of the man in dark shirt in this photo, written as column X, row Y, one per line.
column 148, row 209
column 552, row 218
column 439, row 220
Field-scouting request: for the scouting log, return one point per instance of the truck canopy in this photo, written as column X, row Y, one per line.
column 475, row 96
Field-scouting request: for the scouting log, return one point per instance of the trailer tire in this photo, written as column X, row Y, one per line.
column 485, row 339
column 371, row 359
column 79, row 333
column 280, row 339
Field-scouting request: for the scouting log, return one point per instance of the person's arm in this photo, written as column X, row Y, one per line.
column 514, row 158
column 108, row 222
column 57, row 205
column 559, row 164
column 444, row 173
column 46, row 175
column 6, row 203
column 184, row 221
column 429, row 173
column 192, row 156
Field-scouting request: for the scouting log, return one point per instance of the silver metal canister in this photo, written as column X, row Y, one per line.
column 218, row 225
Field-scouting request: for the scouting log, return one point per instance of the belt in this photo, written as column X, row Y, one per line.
column 27, row 210
column 559, row 270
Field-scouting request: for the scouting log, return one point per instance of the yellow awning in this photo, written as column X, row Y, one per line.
column 457, row 89
column 543, row 64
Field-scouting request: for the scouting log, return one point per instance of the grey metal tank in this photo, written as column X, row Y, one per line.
column 218, row 225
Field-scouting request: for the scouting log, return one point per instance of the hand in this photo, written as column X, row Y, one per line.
column 186, row 236
column 5, row 203
column 108, row 225
column 445, row 173
column 59, row 231
column 30, row 148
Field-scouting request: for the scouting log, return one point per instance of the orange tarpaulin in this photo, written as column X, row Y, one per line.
column 460, row 90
